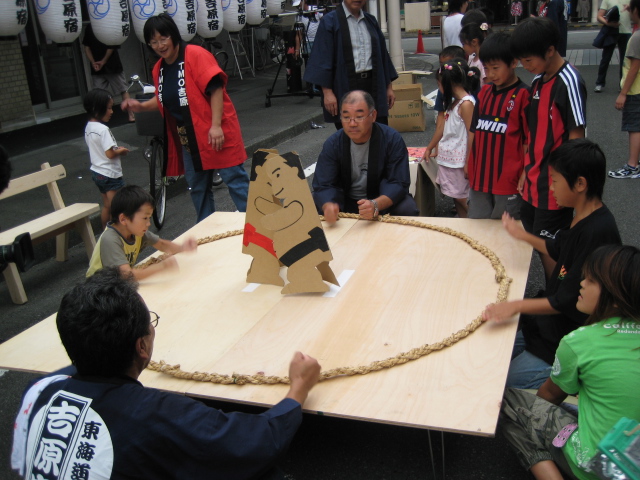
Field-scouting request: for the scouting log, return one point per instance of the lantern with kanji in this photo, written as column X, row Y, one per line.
column 60, row 20
column 13, row 17
column 141, row 11
column 183, row 13
column 210, row 20
column 256, row 11
column 109, row 20
column 235, row 15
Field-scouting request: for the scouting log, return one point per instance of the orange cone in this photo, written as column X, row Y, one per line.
column 420, row 47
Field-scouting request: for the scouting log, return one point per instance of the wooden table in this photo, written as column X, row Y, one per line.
column 409, row 286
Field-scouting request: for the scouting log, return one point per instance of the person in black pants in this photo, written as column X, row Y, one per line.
column 624, row 34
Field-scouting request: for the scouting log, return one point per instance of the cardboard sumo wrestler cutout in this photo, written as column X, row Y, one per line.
column 258, row 240
column 282, row 226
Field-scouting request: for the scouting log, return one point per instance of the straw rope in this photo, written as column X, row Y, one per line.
column 415, row 353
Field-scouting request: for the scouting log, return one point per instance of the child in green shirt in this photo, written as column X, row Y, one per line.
column 598, row 361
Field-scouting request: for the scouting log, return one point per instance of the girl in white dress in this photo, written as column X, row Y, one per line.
column 455, row 80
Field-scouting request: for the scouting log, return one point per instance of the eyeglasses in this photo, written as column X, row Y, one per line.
column 355, row 119
column 154, row 321
column 160, row 41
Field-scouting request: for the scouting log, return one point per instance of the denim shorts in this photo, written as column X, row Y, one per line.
column 631, row 114
column 106, row 184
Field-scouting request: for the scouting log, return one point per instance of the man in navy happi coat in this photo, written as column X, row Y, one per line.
column 350, row 53
column 364, row 167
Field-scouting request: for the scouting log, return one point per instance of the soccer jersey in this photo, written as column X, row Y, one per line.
column 556, row 106
column 499, row 124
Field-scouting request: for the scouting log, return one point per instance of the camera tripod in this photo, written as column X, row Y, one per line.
column 294, row 39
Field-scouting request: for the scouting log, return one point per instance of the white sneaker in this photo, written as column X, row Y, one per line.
column 598, row 89
column 625, row 172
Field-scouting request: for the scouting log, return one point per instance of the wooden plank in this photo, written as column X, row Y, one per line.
column 50, row 222
column 14, row 284
column 391, row 304
column 410, row 286
column 33, row 180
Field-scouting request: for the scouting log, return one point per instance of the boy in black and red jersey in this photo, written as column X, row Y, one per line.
column 556, row 114
column 498, row 128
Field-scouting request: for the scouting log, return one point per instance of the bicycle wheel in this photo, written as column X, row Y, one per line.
column 222, row 58
column 158, row 185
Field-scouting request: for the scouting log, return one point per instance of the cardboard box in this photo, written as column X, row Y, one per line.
column 407, row 92
column 405, row 78
column 407, row 113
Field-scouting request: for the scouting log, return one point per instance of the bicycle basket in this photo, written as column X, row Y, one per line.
column 149, row 124
column 261, row 34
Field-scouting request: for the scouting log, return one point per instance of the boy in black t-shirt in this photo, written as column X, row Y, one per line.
column 556, row 113
column 578, row 172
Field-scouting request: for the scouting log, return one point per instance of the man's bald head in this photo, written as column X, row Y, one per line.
column 356, row 96
column 357, row 114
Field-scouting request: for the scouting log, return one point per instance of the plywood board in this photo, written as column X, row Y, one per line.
column 409, row 286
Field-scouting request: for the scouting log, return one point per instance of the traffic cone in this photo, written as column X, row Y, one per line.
column 420, row 47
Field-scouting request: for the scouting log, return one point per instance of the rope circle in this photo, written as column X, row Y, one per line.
column 401, row 358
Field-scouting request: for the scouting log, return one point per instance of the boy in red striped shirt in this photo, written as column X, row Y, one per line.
column 556, row 113
column 499, row 129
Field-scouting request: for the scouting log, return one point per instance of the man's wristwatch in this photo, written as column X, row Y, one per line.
column 375, row 209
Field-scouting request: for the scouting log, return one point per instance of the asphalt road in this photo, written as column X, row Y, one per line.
column 331, row 448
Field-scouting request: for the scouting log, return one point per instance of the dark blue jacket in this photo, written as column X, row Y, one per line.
column 326, row 65
column 117, row 429
column 331, row 184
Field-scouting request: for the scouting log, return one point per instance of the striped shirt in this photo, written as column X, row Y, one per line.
column 499, row 127
column 556, row 107
column 360, row 41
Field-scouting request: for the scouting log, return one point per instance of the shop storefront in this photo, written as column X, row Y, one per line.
column 43, row 80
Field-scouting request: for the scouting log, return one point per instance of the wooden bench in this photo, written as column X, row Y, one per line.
column 56, row 224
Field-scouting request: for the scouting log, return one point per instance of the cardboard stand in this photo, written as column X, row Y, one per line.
column 282, row 226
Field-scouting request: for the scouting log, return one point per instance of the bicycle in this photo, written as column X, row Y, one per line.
column 152, row 124
column 216, row 50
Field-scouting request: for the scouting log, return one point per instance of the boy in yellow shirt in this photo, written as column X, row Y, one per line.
column 128, row 233
column 629, row 99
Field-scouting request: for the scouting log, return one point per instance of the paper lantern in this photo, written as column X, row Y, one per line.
column 141, row 10
column 60, row 20
column 183, row 13
column 210, row 20
column 109, row 20
column 13, row 17
column 256, row 11
column 235, row 15
column 275, row 7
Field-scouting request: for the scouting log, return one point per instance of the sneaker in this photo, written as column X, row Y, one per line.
column 217, row 179
column 625, row 172
column 598, row 89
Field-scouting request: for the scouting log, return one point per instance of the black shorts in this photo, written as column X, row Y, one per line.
column 544, row 223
